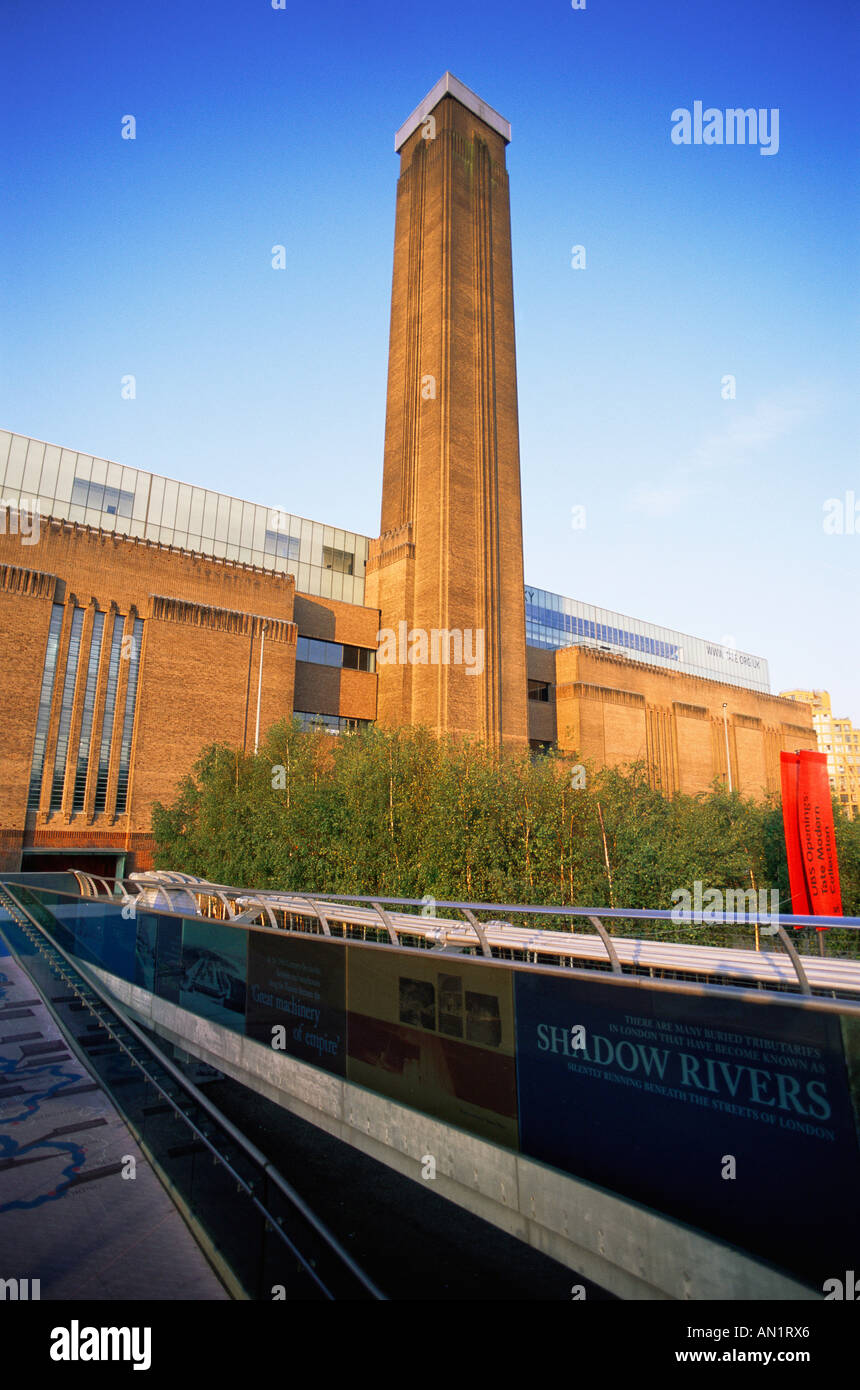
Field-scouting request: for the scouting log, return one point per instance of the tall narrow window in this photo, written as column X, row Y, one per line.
column 66, row 709
column 44, row 716
column 89, row 708
column 128, row 722
column 110, row 711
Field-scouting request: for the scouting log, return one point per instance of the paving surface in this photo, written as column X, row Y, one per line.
column 68, row 1217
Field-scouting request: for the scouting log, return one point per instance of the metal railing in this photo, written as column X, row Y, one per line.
column 249, row 1173
column 389, row 920
column 743, row 961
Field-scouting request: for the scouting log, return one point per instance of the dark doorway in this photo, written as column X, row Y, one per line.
column 108, row 863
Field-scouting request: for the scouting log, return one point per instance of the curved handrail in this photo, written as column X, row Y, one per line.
column 255, row 1155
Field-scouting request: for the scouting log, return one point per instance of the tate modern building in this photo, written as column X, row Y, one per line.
column 133, row 607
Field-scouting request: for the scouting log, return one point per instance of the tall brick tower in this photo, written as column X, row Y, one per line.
column 449, row 560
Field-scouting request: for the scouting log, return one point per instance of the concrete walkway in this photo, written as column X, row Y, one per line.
column 68, row 1217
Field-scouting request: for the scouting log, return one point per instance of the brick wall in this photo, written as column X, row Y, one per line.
column 198, row 671
column 26, row 599
column 612, row 711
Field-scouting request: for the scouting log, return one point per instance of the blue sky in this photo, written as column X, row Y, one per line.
column 258, row 127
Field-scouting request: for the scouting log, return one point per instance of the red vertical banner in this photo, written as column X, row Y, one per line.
column 788, row 767
column 810, row 835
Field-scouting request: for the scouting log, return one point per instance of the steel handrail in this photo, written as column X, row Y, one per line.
column 249, row 1149
column 674, row 915
column 507, row 935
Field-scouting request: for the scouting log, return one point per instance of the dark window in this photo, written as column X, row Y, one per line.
column 44, row 715
column 359, row 658
column 323, row 653
column 333, row 723
column 128, row 722
column 66, row 709
column 109, row 713
column 87, row 720
column 342, row 561
column 538, row 690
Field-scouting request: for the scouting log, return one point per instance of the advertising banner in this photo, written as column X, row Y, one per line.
column 734, row 1118
column 214, row 971
column 810, row 835
column 145, row 950
column 435, row 1033
column 297, row 997
column 168, row 959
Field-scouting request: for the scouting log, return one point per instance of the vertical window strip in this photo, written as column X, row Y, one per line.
column 83, row 761
column 45, row 699
column 66, row 710
column 128, row 722
column 110, row 711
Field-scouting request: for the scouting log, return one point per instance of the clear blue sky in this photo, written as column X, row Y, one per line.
column 258, row 127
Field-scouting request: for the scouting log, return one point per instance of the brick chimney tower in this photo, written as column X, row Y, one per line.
column 447, row 570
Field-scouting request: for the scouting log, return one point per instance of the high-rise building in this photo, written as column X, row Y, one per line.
column 840, row 741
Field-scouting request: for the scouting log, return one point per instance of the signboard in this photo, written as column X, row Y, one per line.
column 298, row 985
column 145, row 950
column 435, row 1032
column 214, row 971
column 732, row 1117
column 168, row 959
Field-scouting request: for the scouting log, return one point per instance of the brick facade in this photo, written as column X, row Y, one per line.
column 610, row 711
column 198, row 668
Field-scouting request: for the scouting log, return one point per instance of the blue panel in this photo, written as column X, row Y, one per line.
column 168, row 959
column 214, row 971
column 668, row 1085
column 145, row 950
column 103, row 937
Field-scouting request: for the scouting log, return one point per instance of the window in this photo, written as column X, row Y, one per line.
column 66, row 709
column 45, row 699
column 84, row 741
column 109, row 713
column 128, row 722
column 342, row 561
column 334, row 723
column 277, row 543
column 538, row 690
column 359, row 659
column 323, row 653
column 113, row 501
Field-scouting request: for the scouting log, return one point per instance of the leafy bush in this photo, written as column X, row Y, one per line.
column 402, row 813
